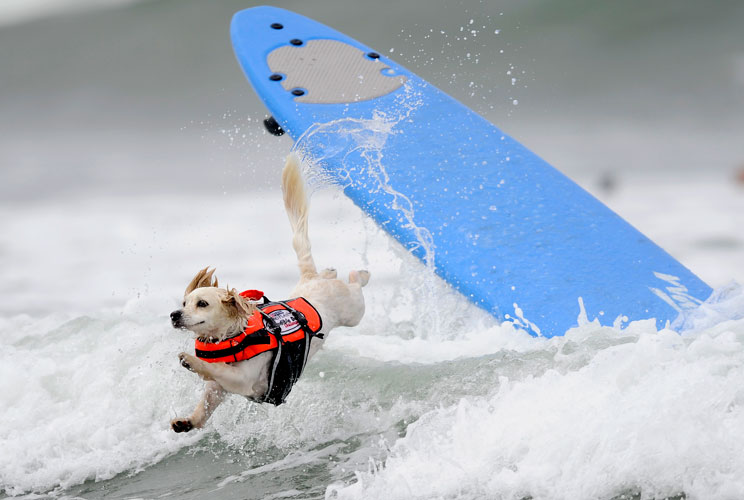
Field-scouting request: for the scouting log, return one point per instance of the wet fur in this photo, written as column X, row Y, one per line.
column 217, row 313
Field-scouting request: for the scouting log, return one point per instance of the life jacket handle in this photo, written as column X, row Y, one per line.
column 301, row 319
column 254, row 295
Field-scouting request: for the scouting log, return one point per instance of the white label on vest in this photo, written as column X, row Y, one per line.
column 285, row 320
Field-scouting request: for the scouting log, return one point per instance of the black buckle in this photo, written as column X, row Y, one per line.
column 301, row 319
column 272, row 326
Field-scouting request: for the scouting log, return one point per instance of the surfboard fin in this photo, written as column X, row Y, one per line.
column 273, row 127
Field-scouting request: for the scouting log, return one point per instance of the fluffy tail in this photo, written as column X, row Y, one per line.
column 295, row 202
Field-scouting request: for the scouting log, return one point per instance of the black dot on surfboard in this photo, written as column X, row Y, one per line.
column 275, row 77
column 277, row 26
column 295, row 41
column 373, row 55
column 298, row 92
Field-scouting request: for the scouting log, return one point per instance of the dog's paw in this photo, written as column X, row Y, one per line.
column 328, row 274
column 187, row 360
column 181, row 425
column 361, row 277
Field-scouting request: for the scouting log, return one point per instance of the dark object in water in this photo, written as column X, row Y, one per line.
column 740, row 175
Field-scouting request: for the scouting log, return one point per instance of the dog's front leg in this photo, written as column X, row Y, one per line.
column 196, row 365
column 242, row 378
column 213, row 396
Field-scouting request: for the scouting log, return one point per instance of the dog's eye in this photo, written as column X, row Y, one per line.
column 202, row 303
column 184, row 303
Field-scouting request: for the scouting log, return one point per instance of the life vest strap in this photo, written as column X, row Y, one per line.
column 274, row 329
column 271, row 326
column 248, row 340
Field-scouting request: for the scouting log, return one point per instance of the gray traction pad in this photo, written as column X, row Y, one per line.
column 332, row 72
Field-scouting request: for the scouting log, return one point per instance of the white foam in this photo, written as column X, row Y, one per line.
column 87, row 398
column 659, row 413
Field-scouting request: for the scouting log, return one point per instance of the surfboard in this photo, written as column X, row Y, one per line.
column 495, row 221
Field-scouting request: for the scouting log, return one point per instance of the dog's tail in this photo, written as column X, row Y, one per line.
column 295, row 202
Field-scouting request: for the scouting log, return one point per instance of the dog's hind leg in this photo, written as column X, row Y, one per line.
column 352, row 306
column 295, row 203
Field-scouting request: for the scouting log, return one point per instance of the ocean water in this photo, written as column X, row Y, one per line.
column 399, row 407
column 132, row 155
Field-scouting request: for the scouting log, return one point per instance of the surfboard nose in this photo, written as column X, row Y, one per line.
column 292, row 61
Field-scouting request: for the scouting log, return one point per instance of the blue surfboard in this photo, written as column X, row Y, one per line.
column 502, row 226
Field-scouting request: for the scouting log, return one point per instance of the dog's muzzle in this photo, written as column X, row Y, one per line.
column 176, row 318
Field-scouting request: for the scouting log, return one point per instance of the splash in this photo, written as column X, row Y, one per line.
column 365, row 138
column 634, row 413
column 331, row 152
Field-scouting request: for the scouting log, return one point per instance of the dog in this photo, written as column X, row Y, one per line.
column 218, row 315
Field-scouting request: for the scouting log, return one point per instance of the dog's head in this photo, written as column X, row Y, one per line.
column 210, row 312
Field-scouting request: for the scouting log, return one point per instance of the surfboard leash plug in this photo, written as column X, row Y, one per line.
column 272, row 126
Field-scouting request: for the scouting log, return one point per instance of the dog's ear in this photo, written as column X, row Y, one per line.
column 202, row 279
column 237, row 305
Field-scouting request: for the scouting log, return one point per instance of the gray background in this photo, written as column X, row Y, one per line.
column 146, row 97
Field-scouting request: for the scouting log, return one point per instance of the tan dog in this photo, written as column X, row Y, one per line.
column 214, row 314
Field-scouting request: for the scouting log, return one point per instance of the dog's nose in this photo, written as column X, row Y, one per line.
column 176, row 315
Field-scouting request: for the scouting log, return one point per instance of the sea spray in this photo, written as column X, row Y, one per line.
column 336, row 142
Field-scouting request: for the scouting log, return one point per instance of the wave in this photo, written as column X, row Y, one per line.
column 640, row 411
column 491, row 412
column 90, row 381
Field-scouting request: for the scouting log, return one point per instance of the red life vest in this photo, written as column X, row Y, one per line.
column 257, row 336
column 285, row 327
